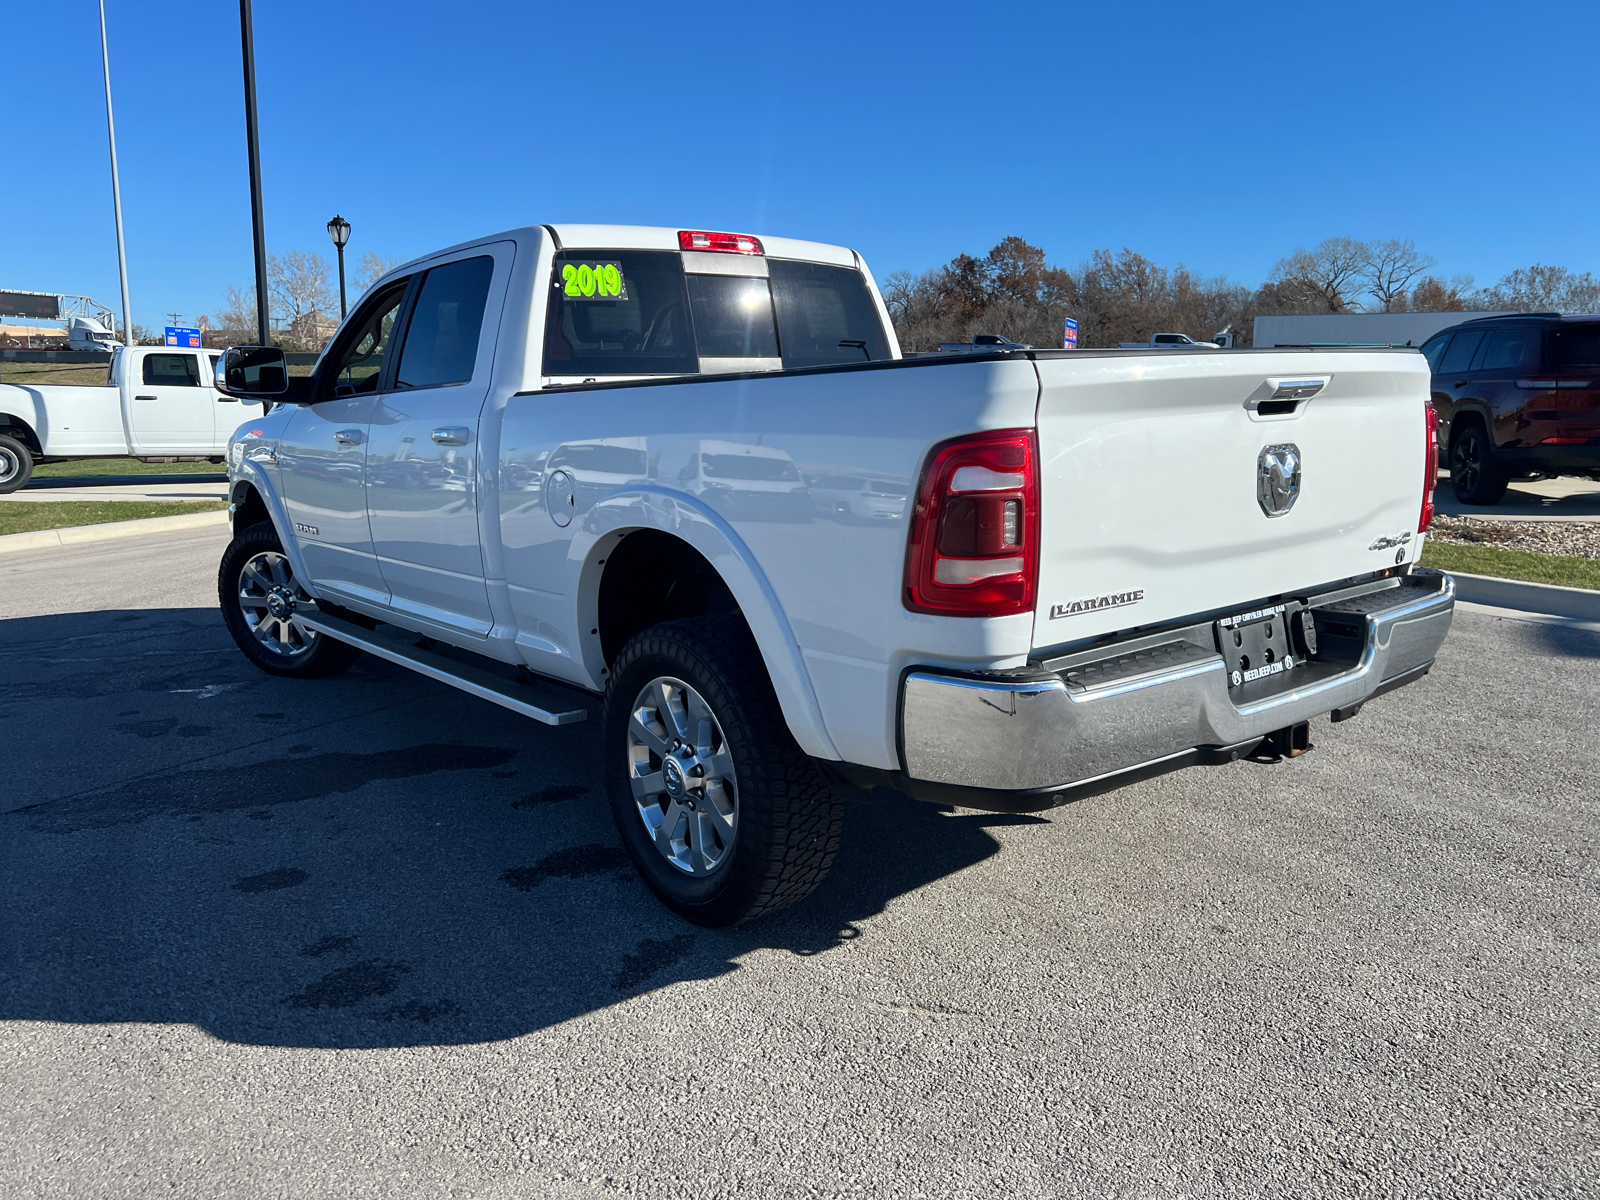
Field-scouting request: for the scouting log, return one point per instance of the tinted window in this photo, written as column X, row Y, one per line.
column 215, row 359
column 1433, row 350
column 1509, row 349
column 172, row 370
column 1458, row 359
column 358, row 359
column 821, row 311
column 636, row 325
column 1572, row 346
column 442, row 336
column 732, row 317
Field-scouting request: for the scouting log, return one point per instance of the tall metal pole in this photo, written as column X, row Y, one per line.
column 248, row 37
column 116, row 185
column 341, row 283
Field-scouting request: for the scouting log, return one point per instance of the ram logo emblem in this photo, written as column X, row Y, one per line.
column 1278, row 478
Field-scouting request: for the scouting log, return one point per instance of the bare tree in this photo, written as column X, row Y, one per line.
column 1544, row 289
column 373, row 268
column 1389, row 268
column 302, row 301
column 1326, row 278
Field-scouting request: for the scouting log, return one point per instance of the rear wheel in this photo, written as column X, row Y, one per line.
column 722, row 813
column 16, row 464
column 1474, row 475
column 261, row 598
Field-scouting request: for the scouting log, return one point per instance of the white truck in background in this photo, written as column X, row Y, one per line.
column 618, row 460
column 157, row 402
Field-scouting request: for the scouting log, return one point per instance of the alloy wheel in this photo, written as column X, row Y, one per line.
column 1466, row 464
column 269, row 596
column 10, row 464
column 682, row 776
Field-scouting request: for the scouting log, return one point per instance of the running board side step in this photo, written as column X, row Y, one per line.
column 469, row 679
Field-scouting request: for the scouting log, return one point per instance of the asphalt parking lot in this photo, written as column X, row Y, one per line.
column 368, row 937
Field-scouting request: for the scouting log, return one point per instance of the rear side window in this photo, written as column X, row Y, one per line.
column 1433, row 351
column 635, row 322
column 1510, row 349
column 825, row 315
column 171, row 370
column 1572, row 346
column 442, row 337
column 1458, row 359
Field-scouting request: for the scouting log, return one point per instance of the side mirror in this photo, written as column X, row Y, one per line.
column 253, row 373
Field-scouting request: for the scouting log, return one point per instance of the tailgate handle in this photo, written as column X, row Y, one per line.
column 1296, row 389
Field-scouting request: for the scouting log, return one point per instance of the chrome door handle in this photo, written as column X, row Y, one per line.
column 348, row 437
column 453, row 435
column 144, row 397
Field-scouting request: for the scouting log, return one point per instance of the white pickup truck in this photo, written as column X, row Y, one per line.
column 156, row 402
column 571, row 461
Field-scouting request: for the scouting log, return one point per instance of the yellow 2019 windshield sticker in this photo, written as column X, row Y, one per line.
column 594, row 281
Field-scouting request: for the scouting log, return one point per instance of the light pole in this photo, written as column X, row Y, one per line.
column 116, row 187
column 247, row 38
column 339, row 231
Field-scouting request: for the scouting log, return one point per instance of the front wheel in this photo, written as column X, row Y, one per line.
column 16, row 464
column 260, row 598
column 1473, row 473
column 722, row 813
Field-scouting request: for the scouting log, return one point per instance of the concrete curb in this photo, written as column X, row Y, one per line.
column 75, row 535
column 1580, row 604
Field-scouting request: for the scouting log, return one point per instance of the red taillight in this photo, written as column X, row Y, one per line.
column 974, row 548
column 1430, row 474
column 726, row 243
column 1573, row 441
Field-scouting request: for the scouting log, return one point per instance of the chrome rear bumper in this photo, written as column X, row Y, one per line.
column 1049, row 732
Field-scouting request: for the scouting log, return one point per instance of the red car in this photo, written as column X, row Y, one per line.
column 1518, row 397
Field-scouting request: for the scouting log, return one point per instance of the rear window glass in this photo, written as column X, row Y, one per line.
column 171, row 370
column 442, row 337
column 1572, row 346
column 825, row 315
column 1510, row 349
column 1458, row 358
column 732, row 316
column 636, row 323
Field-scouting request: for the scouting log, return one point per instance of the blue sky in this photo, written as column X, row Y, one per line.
column 1221, row 136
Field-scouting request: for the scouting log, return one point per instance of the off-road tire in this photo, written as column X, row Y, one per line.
column 16, row 465
column 324, row 656
column 788, row 820
column 1474, row 475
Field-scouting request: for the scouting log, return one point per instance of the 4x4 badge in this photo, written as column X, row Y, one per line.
column 1278, row 478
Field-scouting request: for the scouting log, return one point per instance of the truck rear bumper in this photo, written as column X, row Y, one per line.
column 1025, row 743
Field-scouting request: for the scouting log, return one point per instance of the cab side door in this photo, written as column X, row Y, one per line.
column 169, row 410
column 1523, row 410
column 322, row 454
column 1453, row 389
column 422, row 464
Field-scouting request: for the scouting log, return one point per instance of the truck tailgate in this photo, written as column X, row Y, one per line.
column 1149, row 481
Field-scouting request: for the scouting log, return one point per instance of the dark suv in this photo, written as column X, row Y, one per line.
column 1517, row 396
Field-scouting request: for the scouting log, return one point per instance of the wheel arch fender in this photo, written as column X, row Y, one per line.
column 20, row 416
column 709, row 534
column 252, row 495
column 1465, row 416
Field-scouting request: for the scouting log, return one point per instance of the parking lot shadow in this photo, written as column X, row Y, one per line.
column 372, row 860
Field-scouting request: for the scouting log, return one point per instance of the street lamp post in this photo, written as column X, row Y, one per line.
column 339, row 231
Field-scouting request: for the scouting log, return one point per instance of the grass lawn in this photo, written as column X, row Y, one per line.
column 1513, row 564
column 93, row 374
column 124, row 466
column 26, row 517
